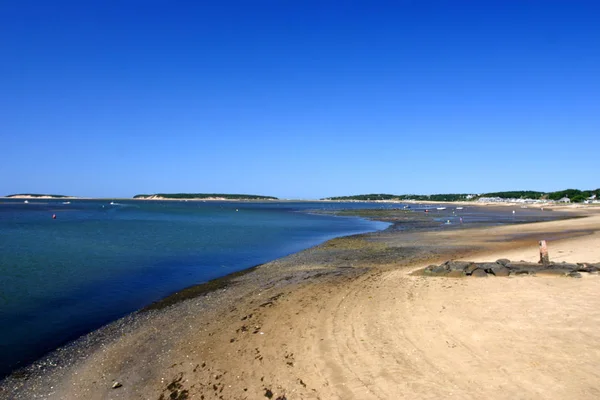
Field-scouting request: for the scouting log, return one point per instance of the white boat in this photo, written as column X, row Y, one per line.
column 459, row 208
column 66, row 202
column 441, row 208
column 25, row 202
column 112, row 203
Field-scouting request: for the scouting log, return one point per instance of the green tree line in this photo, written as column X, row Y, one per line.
column 575, row 195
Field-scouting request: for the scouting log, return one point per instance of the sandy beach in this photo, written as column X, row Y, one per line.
column 349, row 320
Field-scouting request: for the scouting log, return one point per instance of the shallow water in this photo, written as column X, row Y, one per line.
column 97, row 261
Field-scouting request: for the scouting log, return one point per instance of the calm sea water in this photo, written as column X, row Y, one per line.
column 61, row 278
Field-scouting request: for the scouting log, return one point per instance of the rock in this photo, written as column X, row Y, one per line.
column 585, row 267
column 487, row 267
column 457, row 265
column 520, row 272
column 435, row 270
column 553, row 272
column 116, row 385
column 504, row 267
column 479, row 273
column 523, row 268
column 564, row 265
column 455, row 274
column 472, row 267
column 440, row 270
column 429, row 269
column 500, row 270
column 552, row 266
column 517, row 265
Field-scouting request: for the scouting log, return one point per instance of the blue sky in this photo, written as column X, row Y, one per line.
column 298, row 99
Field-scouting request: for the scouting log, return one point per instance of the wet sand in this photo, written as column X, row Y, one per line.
column 347, row 320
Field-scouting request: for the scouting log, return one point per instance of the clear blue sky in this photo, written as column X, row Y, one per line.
column 298, row 99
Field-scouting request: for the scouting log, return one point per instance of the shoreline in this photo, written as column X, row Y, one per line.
column 340, row 261
column 548, row 206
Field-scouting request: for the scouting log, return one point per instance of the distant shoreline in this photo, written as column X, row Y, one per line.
column 41, row 197
column 159, row 198
column 548, row 206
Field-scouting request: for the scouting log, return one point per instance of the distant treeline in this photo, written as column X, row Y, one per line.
column 205, row 196
column 574, row 195
column 58, row 196
column 383, row 196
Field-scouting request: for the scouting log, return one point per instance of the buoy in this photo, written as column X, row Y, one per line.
column 53, row 216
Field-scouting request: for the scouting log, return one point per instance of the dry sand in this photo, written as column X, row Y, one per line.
column 342, row 322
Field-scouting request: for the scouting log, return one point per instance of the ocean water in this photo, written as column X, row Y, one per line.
column 96, row 262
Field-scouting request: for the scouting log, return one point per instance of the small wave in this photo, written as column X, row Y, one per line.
column 121, row 206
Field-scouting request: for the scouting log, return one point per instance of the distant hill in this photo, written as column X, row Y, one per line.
column 42, row 196
column 575, row 195
column 203, row 196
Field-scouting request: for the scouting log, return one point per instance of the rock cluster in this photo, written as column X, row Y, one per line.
column 504, row 267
